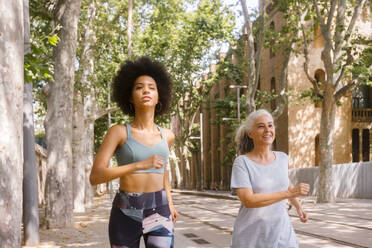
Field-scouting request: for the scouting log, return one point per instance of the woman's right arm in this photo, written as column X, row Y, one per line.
column 100, row 172
column 251, row 200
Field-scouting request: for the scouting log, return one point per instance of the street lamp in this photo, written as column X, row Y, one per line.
column 238, row 87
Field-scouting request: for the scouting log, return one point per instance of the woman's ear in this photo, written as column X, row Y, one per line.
column 249, row 134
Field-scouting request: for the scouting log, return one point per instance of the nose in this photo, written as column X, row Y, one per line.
column 146, row 89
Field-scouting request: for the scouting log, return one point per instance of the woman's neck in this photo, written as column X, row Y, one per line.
column 262, row 153
column 144, row 121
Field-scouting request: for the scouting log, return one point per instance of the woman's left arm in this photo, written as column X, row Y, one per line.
column 167, row 187
column 295, row 202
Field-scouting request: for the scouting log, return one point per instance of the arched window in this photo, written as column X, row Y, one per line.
column 355, row 144
column 320, row 79
column 317, row 150
column 273, row 91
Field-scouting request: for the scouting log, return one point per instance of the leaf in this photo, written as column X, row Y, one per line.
column 53, row 40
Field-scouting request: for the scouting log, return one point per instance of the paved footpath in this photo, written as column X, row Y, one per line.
column 206, row 220
column 347, row 223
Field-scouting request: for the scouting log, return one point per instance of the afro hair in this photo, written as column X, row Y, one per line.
column 124, row 81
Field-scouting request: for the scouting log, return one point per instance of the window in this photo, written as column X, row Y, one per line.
column 365, row 145
column 355, row 145
column 362, row 96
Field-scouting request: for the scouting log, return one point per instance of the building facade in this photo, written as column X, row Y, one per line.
column 299, row 126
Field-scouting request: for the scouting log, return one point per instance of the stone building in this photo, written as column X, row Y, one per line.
column 298, row 127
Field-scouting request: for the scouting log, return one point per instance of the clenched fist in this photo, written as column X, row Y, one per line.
column 151, row 162
column 300, row 189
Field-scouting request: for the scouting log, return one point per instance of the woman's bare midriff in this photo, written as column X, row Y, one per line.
column 142, row 183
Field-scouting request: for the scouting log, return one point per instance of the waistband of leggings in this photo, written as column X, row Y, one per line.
column 131, row 200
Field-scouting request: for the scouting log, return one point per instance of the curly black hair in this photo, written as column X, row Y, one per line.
column 123, row 83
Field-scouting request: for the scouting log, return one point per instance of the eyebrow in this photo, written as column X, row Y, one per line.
column 140, row 82
column 264, row 123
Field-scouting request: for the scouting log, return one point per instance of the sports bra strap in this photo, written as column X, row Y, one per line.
column 161, row 132
column 129, row 131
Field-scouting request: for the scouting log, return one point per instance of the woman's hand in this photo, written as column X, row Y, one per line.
column 302, row 214
column 300, row 189
column 174, row 212
column 152, row 162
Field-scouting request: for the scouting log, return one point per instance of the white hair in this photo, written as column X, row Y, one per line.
column 244, row 143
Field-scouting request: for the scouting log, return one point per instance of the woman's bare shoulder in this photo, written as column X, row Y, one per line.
column 119, row 132
column 169, row 135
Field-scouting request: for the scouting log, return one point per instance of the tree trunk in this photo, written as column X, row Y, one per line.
column 30, row 183
column 326, row 191
column 88, row 160
column 11, row 116
column 58, row 121
column 327, row 123
column 78, row 164
column 30, row 187
column 89, row 101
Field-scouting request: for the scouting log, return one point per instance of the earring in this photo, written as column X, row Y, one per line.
column 158, row 107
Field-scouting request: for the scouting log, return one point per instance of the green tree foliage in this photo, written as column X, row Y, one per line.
column 184, row 35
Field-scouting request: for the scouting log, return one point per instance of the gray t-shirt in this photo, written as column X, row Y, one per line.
column 264, row 227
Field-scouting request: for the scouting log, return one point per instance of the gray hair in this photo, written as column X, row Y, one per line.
column 244, row 143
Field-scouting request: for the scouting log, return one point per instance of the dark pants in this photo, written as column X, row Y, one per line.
column 141, row 214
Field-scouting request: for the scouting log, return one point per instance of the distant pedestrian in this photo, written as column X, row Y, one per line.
column 143, row 206
column 260, row 179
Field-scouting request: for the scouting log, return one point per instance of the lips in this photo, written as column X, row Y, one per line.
column 146, row 98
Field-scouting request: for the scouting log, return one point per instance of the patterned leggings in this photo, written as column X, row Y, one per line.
column 141, row 214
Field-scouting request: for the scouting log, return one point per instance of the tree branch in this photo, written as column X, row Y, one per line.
column 339, row 93
column 101, row 113
column 306, row 63
column 356, row 14
column 325, row 28
column 339, row 31
column 349, row 60
column 320, row 17
column 331, row 14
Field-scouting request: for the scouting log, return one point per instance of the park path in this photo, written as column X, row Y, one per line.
column 89, row 231
column 206, row 221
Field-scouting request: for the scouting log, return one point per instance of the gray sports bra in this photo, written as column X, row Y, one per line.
column 133, row 151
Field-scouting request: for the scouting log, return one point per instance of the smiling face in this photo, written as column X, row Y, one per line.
column 263, row 131
column 145, row 92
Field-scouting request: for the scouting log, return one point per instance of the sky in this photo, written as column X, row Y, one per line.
column 236, row 8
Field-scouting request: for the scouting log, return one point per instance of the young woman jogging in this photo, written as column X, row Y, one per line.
column 143, row 206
